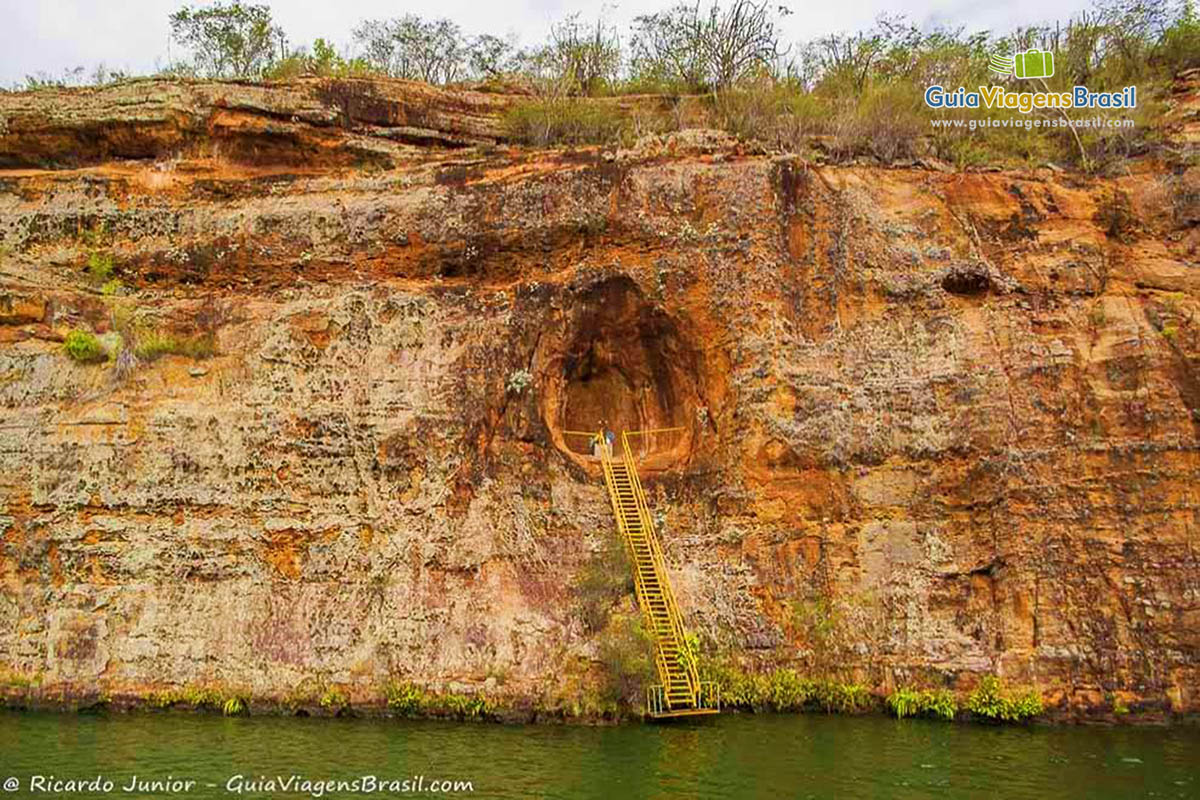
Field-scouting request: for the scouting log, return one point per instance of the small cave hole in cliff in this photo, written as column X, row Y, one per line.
column 967, row 280
column 627, row 367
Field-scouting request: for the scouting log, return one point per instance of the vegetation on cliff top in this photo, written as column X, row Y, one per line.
column 863, row 94
column 728, row 66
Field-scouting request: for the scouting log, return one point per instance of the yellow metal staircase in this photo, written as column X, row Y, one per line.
column 680, row 693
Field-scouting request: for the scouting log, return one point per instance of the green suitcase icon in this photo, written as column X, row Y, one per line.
column 1034, row 64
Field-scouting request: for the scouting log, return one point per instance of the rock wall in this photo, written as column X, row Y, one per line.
column 937, row 424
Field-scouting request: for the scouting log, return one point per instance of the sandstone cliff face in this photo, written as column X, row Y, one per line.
column 936, row 424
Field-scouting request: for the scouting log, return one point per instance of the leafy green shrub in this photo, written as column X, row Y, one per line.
column 1026, row 704
column 689, row 651
column 324, row 61
column 411, row 700
column 464, row 706
column 939, row 703
column 787, row 691
column 84, row 347
column 111, row 287
column 904, row 703
column 987, row 700
column 334, row 699
column 165, row 698
column 738, row 688
column 927, row 702
column 100, row 267
column 407, row 699
column 233, row 707
column 991, row 700
column 201, row 697
column 844, row 698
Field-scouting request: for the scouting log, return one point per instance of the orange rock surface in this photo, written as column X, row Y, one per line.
column 936, row 424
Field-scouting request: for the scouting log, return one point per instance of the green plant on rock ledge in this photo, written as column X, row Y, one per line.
column 844, row 698
column 202, row 697
column 234, row 706
column 785, row 690
column 152, row 345
column 410, row 700
column 406, row 698
column 84, row 347
column 939, row 703
column 464, row 706
column 991, row 700
column 100, row 267
column 333, row 699
column 11, row 679
column 906, row 702
column 195, row 696
column 689, row 654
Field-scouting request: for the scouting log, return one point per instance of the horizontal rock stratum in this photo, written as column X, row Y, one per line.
column 936, row 424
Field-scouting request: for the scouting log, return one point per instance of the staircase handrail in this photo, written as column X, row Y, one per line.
column 676, row 634
column 642, row 598
column 673, row 613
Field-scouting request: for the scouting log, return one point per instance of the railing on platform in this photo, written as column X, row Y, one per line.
column 708, row 699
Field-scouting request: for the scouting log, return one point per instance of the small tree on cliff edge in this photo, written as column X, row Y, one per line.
column 410, row 47
column 228, row 41
column 699, row 49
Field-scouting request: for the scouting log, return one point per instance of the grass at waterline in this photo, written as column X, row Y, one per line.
column 777, row 691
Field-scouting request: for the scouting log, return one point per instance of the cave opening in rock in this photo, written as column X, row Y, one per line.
column 625, row 367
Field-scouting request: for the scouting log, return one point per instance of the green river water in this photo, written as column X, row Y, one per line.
column 751, row 756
